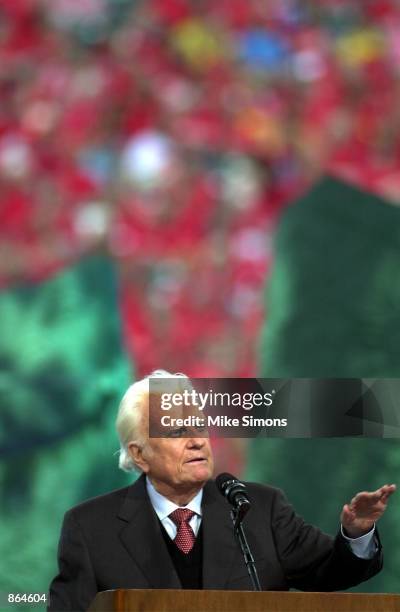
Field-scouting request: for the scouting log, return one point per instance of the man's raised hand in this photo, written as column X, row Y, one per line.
column 358, row 517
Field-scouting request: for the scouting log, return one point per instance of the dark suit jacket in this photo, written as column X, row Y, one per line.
column 115, row 541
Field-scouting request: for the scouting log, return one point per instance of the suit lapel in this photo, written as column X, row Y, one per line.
column 141, row 535
column 219, row 545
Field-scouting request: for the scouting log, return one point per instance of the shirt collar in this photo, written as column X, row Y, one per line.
column 163, row 506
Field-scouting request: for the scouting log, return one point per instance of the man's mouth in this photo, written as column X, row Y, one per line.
column 197, row 460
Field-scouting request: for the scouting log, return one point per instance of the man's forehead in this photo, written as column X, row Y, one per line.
column 181, row 407
column 169, row 401
column 162, row 420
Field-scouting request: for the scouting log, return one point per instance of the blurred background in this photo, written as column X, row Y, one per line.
column 206, row 187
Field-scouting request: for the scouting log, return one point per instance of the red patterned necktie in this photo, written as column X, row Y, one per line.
column 185, row 537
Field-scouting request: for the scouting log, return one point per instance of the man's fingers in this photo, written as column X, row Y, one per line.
column 387, row 491
column 368, row 504
column 381, row 494
column 365, row 497
column 372, row 504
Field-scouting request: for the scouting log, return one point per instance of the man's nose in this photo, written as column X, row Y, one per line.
column 195, row 442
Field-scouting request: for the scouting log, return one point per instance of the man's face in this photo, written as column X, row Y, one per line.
column 178, row 464
column 180, row 460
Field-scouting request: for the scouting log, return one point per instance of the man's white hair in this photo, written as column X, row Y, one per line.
column 133, row 410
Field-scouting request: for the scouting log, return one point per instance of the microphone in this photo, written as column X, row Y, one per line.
column 235, row 492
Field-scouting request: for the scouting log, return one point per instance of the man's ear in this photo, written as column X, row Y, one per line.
column 136, row 454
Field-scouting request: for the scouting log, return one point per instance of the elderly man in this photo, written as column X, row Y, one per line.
column 171, row 529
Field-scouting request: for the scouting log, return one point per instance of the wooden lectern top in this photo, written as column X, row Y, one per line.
column 170, row 600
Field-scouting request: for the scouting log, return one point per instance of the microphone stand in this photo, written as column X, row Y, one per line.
column 237, row 516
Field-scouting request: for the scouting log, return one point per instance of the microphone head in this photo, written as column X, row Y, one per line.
column 222, row 481
column 235, row 492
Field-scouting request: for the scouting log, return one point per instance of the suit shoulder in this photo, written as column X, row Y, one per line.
column 263, row 490
column 99, row 505
column 260, row 491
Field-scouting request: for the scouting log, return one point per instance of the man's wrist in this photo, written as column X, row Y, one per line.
column 357, row 534
column 363, row 546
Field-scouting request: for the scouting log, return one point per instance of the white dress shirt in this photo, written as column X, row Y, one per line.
column 363, row 547
column 163, row 508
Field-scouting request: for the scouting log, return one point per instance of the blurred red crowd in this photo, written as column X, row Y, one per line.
column 170, row 134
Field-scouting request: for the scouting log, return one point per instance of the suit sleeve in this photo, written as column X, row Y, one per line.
column 313, row 560
column 74, row 587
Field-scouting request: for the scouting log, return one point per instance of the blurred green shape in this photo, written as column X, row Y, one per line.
column 63, row 371
column 333, row 310
column 333, row 300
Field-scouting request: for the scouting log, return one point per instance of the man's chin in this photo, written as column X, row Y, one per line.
column 200, row 473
